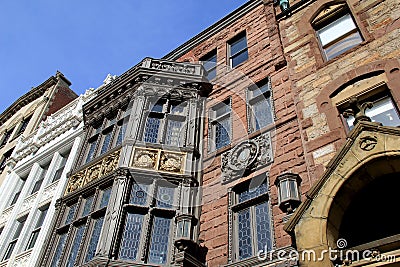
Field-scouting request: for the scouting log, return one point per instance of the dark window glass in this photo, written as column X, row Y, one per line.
column 131, row 237
column 159, row 240
column 92, row 148
column 60, row 247
column 37, row 186
column 10, row 248
column 139, row 194
column 94, row 239
column 88, row 206
column 238, row 51
column 105, row 198
column 6, row 136
column 121, row 133
column 71, row 213
column 75, row 246
column 36, row 231
column 106, row 142
column 15, row 198
column 210, row 64
column 23, row 126
column 6, row 156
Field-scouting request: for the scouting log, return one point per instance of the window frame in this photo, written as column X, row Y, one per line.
column 150, row 210
column 7, row 136
column 253, row 100
column 15, row 237
column 234, row 41
column 23, row 125
column 206, row 60
column 235, row 207
column 324, row 20
column 165, row 116
column 215, row 119
column 6, row 156
column 38, row 226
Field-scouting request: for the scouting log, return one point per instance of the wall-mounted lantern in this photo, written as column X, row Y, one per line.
column 288, row 191
column 184, row 232
column 284, row 5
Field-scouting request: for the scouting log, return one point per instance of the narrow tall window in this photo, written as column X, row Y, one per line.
column 35, row 233
column 60, row 170
column 6, row 156
column 251, row 219
column 40, row 179
column 92, row 144
column 260, row 106
column 220, row 125
column 336, row 30
column 23, row 125
column 6, row 136
column 11, row 246
column 18, row 190
column 210, row 64
column 237, row 50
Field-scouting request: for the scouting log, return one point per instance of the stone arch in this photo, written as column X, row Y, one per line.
column 315, row 223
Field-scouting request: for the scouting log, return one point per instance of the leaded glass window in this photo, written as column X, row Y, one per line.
column 106, row 141
column 105, row 197
column 71, row 213
column 94, row 239
column 165, row 123
column 156, row 202
column 92, row 149
column 121, row 132
column 88, row 206
column 260, row 109
column 220, row 125
column 251, row 219
column 59, row 249
column 75, row 245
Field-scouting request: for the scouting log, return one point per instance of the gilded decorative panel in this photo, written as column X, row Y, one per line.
column 159, row 160
column 93, row 172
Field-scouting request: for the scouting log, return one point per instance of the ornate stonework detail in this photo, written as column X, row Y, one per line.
column 93, row 172
column 367, row 143
column 169, row 66
column 145, row 158
column 159, row 160
column 22, row 260
column 5, row 215
column 245, row 156
column 48, row 192
column 171, row 162
column 28, row 203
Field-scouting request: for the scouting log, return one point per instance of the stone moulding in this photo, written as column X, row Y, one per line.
column 93, row 172
column 246, row 156
column 158, row 160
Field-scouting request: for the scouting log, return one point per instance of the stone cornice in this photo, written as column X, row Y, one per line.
column 55, row 125
column 212, row 30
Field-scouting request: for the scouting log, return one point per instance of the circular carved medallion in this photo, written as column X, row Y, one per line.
column 243, row 156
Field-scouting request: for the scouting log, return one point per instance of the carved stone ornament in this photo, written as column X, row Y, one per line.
column 171, row 162
column 145, row 158
column 93, row 172
column 246, row 156
column 159, row 160
column 367, row 143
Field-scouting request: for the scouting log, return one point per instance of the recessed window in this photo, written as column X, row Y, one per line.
column 336, row 30
column 4, row 159
column 383, row 111
column 92, row 144
column 237, row 50
column 6, row 136
column 40, row 178
column 165, row 122
column 19, row 225
column 39, row 222
column 251, row 219
column 260, row 109
column 23, row 125
column 220, row 125
column 210, row 64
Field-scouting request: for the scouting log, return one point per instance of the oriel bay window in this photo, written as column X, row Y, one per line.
column 250, row 218
column 147, row 233
column 336, row 30
column 79, row 233
column 165, row 122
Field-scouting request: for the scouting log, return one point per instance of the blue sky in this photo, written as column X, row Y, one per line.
column 88, row 39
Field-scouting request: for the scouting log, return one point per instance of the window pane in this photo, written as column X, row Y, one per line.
column 342, row 45
column 37, row 186
column 121, row 133
column 59, row 249
column 239, row 58
column 88, row 206
column 92, row 147
column 253, row 192
column 95, row 236
column 105, row 198
column 75, row 246
column 151, row 130
column 41, row 218
column 15, row 198
column 58, row 174
column 24, row 124
column 262, row 113
column 178, row 109
column 106, row 142
column 9, row 250
column 244, row 235
column 210, row 62
column 222, row 109
column 222, row 130
column 263, row 227
column 131, row 237
column 212, row 74
column 159, row 240
column 139, row 194
column 165, row 197
column 71, row 213
column 238, row 45
column 158, row 107
column 32, row 239
column 173, row 133
column 336, row 29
